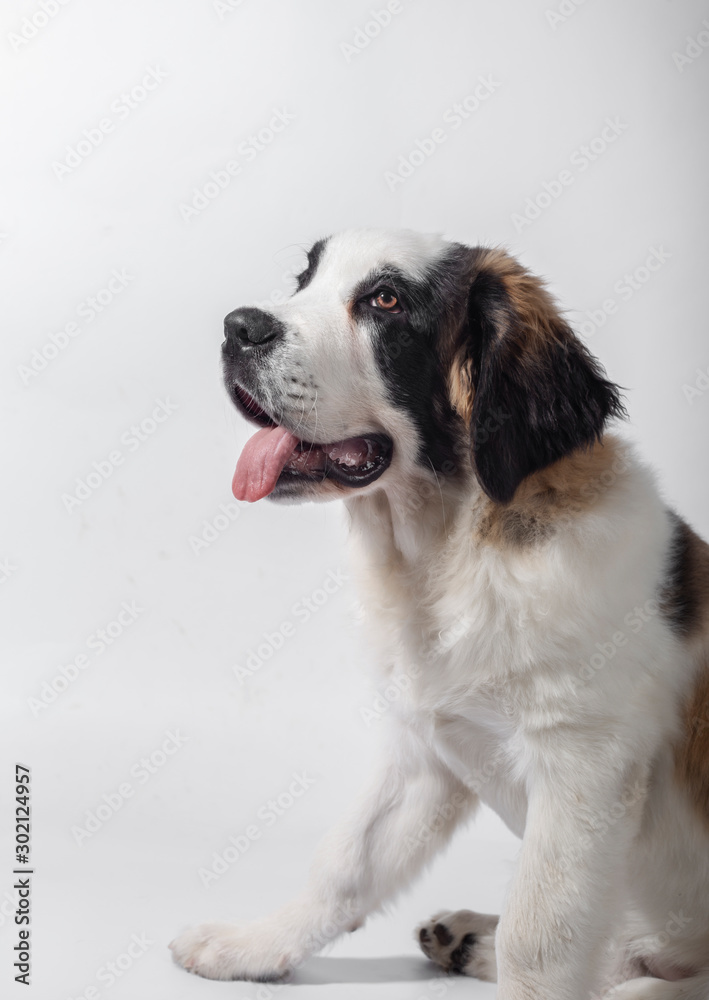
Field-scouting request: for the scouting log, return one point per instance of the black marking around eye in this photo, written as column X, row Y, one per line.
column 425, row 299
column 314, row 255
column 389, row 276
column 407, row 351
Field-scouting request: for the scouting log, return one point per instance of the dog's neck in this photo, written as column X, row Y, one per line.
column 401, row 526
column 397, row 527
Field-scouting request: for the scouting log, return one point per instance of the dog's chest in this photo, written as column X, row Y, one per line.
column 461, row 632
column 464, row 625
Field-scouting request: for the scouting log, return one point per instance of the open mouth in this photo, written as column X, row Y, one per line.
column 274, row 455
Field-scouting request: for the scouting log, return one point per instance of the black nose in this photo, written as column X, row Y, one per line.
column 247, row 328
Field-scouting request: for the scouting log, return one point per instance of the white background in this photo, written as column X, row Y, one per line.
column 356, row 112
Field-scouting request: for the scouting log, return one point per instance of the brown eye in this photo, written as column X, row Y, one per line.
column 384, row 299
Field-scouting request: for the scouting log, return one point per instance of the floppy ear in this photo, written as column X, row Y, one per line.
column 528, row 388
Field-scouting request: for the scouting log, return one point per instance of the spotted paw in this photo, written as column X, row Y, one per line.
column 461, row 941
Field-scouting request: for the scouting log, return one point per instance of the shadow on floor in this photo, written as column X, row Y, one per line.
column 389, row 969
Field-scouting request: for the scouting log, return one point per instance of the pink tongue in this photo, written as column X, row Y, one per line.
column 261, row 463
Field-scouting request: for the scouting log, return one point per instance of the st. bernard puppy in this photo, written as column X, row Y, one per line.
column 548, row 612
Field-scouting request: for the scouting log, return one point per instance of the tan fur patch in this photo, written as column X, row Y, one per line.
column 460, row 386
column 692, row 755
column 535, row 311
column 547, row 499
column 536, row 317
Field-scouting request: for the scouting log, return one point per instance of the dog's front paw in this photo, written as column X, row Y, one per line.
column 462, row 942
column 231, row 951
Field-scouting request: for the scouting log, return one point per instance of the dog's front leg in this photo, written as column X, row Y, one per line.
column 409, row 812
column 584, row 811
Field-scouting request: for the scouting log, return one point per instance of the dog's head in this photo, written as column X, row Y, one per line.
column 401, row 356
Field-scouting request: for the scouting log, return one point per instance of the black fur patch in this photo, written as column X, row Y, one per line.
column 442, row 934
column 460, row 956
column 407, row 350
column 679, row 599
column 314, row 254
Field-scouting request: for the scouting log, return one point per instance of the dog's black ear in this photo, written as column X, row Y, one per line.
column 526, row 385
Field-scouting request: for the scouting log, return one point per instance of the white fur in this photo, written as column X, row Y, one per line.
column 496, row 644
